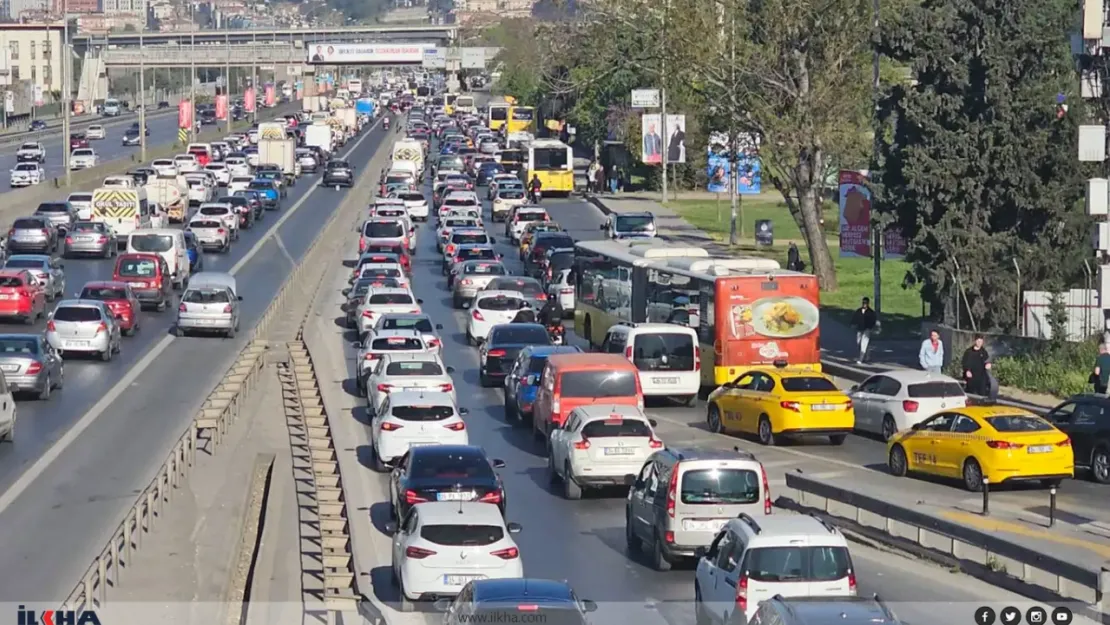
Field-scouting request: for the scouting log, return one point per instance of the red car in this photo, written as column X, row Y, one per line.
column 21, row 296
column 78, row 142
column 148, row 275
column 120, row 299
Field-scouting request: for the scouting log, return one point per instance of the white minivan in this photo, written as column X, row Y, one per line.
column 667, row 355
column 167, row 242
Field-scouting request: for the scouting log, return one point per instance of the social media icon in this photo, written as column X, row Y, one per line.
column 984, row 615
column 1036, row 615
column 1061, row 616
column 1010, row 616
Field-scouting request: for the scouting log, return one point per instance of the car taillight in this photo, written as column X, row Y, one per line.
column 498, row 353
column 183, row 307
column 385, row 388
column 456, row 427
column 221, row 231
column 227, row 309
column 416, row 553
column 450, row 250
column 467, row 282
column 583, row 444
column 512, row 553
column 697, row 358
column 543, row 296
column 655, row 443
column 50, row 326
column 852, row 588
column 446, row 388
column 45, row 232
column 477, row 316
column 494, row 497
column 391, row 427
column 102, row 239
column 35, row 367
column 672, row 493
column 910, row 406
column 103, row 327
column 766, row 490
column 568, row 292
column 69, row 240
column 628, row 352
column 1064, row 443
column 412, row 497
column 23, row 292
column 1004, row 445
column 742, row 594
column 792, row 406
column 368, row 313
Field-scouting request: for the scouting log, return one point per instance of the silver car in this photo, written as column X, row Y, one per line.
column 32, row 233
column 90, row 237
column 61, row 215
column 84, row 326
column 474, row 275
column 30, row 364
column 210, row 304
column 48, row 270
column 211, row 234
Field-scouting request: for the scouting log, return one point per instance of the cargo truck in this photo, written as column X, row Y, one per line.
column 281, row 152
column 172, row 195
column 318, row 135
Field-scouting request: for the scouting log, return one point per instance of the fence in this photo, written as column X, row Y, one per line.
column 1083, row 315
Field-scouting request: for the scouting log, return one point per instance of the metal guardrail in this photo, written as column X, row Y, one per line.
column 962, row 542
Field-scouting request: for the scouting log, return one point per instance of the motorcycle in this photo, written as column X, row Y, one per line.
column 557, row 334
column 537, row 195
column 385, row 124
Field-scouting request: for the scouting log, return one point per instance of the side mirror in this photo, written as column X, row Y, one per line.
column 450, row 369
column 589, row 606
column 916, row 426
column 239, row 297
column 420, row 301
column 466, row 305
column 439, row 326
column 498, row 464
column 443, row 605
column 532, row 379
column 391, row 527
column 492, row 240
column 653, row 423
column 346, row 292
column 854, row 388
column 464, row 411
column 700, row 552
column 356, row 345
column 601, row 227
column 514, row 528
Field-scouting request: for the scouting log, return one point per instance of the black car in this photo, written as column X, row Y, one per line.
column 445, row 473
column 516, row 600
column 535, row 263
column 243, row 208
column 255, row 200
column 135, row 127
column 338, row 173
column 1086, row 420
column 163, row 104
column 500, row 349
column 37, row 125
column 208, row 117
column 486, row 171
column 131, row 136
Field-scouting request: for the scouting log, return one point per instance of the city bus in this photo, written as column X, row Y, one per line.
column 354, row 85
column 747, row 311
column 553, row 163
column 465, row 104
column 498, row 114
column 449, row 100
column 521, row 119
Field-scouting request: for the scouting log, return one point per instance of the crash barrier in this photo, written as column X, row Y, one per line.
column 54, row 125
column 901, row 525
column 219, row 411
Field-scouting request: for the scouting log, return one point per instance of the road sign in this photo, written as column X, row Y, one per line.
column 38, row 96
column 473, row 58
column 645, row 98
column 293, row 70
column 435, row 58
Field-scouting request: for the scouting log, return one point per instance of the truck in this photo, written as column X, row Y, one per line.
column 311, row 103
column 318, row 135
column 339, row 133
column 349, row 118
column 409, row 150
column 280, row 151
column 171, row 193
column 124, row 210
column 365, row 106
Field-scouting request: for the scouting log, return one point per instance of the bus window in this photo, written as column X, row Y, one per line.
column 550, row 159
column 498, row 113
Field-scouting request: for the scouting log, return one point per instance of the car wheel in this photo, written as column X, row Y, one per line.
column 973, row 475
column 407, row 604
column 470, row 340
column 889, row 428
column 107, row 354
column 47, row 387
column 896, row 461
column 766, row 432
column 30, row 319
column 700, row 617
column 511, row 413
column 631, row 541
column 658, row 558
column 483, row 379
column 1100, row 465
column 178, row 331
column 230, row 332
column 8, row 436
column 713, row 419
column 837, row 439
column 571, row 490
column 376, row 461
column 552, row 475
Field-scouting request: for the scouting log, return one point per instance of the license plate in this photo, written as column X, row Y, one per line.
column 9, row 368
column 203, row 322
column 460, row 580
column 823, row 407
column 664, row 380
column 619, row 451
column 73, row 344
column 413, row 388
column 707, row 525
column 1040, row 449
column 453, row 496
column 5, row 297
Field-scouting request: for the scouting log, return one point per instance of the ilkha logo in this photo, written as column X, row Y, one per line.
column 55, row 617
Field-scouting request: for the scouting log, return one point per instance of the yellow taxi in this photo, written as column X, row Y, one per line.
column 997, row 443
column 773, row 402
column 530, row 233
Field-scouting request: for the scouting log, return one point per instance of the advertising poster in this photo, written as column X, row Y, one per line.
column 221, row 107
column 248, row 100
column 355, row 53
column 270, row 95
column 185, row 114
column 763, row 326
column 718, row 166
column 855, row 215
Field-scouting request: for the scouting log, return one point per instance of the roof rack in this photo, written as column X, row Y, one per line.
column 747, row 519
column 823, row 522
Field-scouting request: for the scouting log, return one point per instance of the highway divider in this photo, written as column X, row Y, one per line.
column 956, row 544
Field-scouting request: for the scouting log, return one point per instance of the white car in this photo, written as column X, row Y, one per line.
column 407, row 371
column 31, row 151
column 26, row 174
column 96, row 131
column 199, row 190
column 497, row 180
column 381, row 301
column 562, row 287
column 82, row 203
column 186, row 163
column 253, row 159
column 238, row 166
column 82, row 158
column 164, row 167
column 225, row 213
column 416, row 204
column 440, row 546
column 219, row 170
column 383, row 270
column 505, row 200
column 898, row 399
column 211, row 233
column 420, row 322
column 600, row 445
column 408, row 418
column 491, row 308
column 462, row 198
column 377, row 346
column 521, row 218
column 239, row 183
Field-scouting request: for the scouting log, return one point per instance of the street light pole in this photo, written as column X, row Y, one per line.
column 66, row 89
column 227, row 85
column 142, row 96
column 193, row 74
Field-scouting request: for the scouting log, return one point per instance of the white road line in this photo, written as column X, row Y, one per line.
column 284, row 250
column 59, row 447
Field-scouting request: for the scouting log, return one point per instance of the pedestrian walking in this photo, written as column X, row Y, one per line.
column 864, row 321
column 794, row 259
column 600, row 178
column 976, row 365
column 931, row 355
column 591, row 173
column 621, row 179
column 1101, row 375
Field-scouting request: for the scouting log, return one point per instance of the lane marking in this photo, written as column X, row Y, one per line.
column 24, row 481
column 1010, row 527
column 284, row 250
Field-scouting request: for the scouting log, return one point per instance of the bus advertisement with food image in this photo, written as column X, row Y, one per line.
column 770, row 320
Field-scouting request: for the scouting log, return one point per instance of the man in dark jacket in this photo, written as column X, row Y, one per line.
column 526, row 315
column 864, row 321
column 552, row 312
column 976, row 365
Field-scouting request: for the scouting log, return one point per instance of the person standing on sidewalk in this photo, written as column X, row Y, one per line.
column 976, row 365
column 591, row 174
column 865, row 321
column 1101, row 376
column 931, row 355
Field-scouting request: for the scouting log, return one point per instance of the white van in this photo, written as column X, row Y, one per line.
column 667, row 355
column 167, row 242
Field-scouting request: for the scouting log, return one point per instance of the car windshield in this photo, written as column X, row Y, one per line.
column 88, row 226
column 804, row 384
column 82, row 152
column 28, row 224
column 10, row 346
column 338, row 165
column 77, row 314
column 511, row 194
column 262, row 185
column 416, row 367
column 529, row 288
column 151, row 242
column 720, row 486
column 383, row 229
column 80, row 197
column 598, row 383
column 507, row 612
column 23, row 263
column 519, row 334
column 451, row 465
column 10, row 282
column 484, row 269
column 560, row 261
column 410, row 197
column 929, row 390
column 462, row 535
column 52, row 208
column 137, row 267
column 26, row 167
column 422, row 413
column 206, row 296
column 635, row 223
column 29, row 146
column 420, row 324
column 205, row 223
column 390, row 298
column 214, row 210
column 663, row 352
column 103, row 293
column 616, row 427
column 531, row 216
column 500, row 302
column 1019, row 423
column 797, row 564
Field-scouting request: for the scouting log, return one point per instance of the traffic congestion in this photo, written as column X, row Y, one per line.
column 657, row 326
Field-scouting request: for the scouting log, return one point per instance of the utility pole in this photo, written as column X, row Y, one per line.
column 663, row 99
column 66, row 91
column 876, row 225
column 736, row 224
column 193, row 73
column 142, row 95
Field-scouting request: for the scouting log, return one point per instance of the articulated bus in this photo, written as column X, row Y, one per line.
column 521, row 119
column 449, row 103
column 465, row 104
column 748, row 312
column 553, row 162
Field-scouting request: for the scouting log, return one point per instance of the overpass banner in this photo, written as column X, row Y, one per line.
column 380, row 53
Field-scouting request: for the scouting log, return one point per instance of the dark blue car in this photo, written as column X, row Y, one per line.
column 486, row 171
column 524, row 379
column 37, row 125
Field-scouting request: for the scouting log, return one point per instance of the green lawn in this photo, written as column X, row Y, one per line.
column 901, row 308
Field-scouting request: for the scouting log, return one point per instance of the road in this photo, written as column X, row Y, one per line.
column 80, row 459
column 581, row 541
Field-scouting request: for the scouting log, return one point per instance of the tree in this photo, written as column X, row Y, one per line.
column 975, row 166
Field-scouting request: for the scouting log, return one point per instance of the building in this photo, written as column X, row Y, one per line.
column 82, row 7
column 133, row 7
column 31, row 52
column 17, row 7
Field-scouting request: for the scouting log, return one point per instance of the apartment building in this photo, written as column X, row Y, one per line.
column 31, row 52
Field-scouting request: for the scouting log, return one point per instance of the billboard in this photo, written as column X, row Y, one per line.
column 652, row 144
column 380, row 53
column 221, row 107
column 248, row 100
column 855, row 220
column 719, row 166
column 270, row 96
column 185, row 114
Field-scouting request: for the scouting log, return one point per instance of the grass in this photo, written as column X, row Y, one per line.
column 901, row 308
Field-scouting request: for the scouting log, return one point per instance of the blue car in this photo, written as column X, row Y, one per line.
column 486, row 171
column 196, row 259
column 269, row 192
column 37, row 125
column 524, row 379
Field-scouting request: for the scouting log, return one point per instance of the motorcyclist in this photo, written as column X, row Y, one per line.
column 525, row 315
column 536, row 187
column 552, row 313
column 385, row 123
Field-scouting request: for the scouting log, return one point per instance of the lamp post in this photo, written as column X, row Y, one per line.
column 142, row 96
column 66, row 89
column 193, row 73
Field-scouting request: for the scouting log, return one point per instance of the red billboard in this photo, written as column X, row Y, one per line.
column 185, row 114
column 248, row 100
column 221, row 107
column 270, row 95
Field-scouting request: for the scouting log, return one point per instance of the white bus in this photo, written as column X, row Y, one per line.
column 465, row 104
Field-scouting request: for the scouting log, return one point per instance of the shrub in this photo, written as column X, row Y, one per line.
column 1059, row 369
